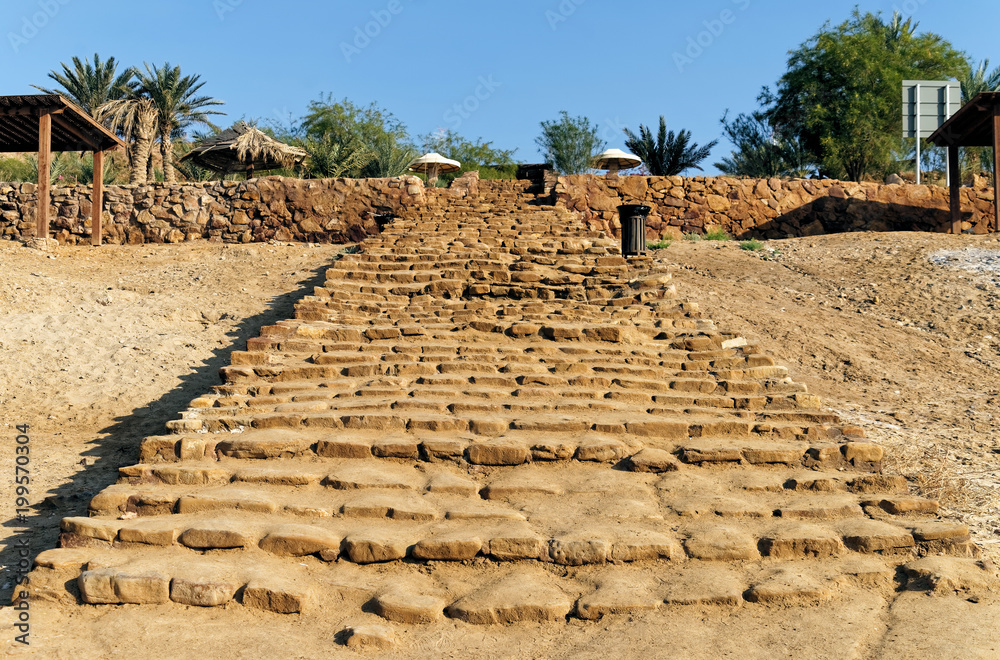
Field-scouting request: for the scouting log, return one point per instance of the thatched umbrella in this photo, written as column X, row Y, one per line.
column 244, row 148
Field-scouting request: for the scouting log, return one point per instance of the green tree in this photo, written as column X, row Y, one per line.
column 668, row 154
column 341, row 128
column 760, row 152
column 343, row 120
column 475, row 156
column 570, row 143
column 840, row 95
column 329, row 159
column 177, row 106
column 389, row 157
column 90, row 85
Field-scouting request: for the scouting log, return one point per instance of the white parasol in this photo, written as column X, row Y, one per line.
column 616, row 159
column 433, row 164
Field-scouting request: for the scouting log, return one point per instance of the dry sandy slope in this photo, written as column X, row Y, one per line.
column 907, row 348
column 99, row 347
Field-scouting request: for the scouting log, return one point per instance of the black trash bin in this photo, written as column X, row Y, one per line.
column 633, row 219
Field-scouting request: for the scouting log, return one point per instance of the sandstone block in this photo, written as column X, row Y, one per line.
column 790, row 586
column 343, row 447
column 95, row 528
column 654, row 460
column 373, row 547
column 802, row 541
column 202, row 592
column 370, row 638
column 396, row 448
column 448, row 547
column 96, row 587
column 150, row 532
column 513, row 546
column 216, row 535
column 407, row 604
column 275, row 595
column 600, row 451
column 862, row 452
column 873, row 536
column 301, row 540
column 519, row 597
column 143, row 588
column 498, row 452
column 275, row 443
column 617, row 596
column 577, row 552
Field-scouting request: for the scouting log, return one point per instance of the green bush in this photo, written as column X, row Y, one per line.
column 753, row 245
column 692, row 237
column 661, row 244
column 717, row 234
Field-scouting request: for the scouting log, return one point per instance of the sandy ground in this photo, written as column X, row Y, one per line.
column 99, row 347
column 898, row 332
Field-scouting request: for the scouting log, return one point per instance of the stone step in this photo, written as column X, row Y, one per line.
column 516, row 593
column 486, row 388
column 357, row 500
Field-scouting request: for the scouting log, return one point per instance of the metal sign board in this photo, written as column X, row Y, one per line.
column 927, row 104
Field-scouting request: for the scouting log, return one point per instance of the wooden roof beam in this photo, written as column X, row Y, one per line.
column 85, row 136
column 21, row 132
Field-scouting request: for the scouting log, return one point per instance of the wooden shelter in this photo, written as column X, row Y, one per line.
column 44, row 123
column 243, row 148
column 977, row 124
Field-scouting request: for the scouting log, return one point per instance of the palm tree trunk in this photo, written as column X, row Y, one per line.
column 167, row 152
column 150, row 168
column 142, row 149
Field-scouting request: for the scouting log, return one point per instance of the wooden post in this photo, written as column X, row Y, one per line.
column 996, row 166
column 955, row 188
column 44, row 172
column 97, row 200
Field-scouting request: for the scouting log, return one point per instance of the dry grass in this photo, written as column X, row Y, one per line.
column 931, row 475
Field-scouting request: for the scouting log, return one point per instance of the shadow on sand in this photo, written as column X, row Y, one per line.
column 118, row 444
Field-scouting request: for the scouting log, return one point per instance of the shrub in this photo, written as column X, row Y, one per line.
column 717, row 234
column 661, row 244
column 753, row 245
column 692, row 237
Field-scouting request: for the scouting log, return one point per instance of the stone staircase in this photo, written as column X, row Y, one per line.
column 487, row 413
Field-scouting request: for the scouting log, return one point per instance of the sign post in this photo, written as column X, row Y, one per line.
column 927, row 104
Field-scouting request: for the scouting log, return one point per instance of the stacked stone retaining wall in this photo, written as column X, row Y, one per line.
column 772, row 208
column 284, row 209
column 343, row 210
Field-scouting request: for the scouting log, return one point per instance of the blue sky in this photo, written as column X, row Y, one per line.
column 491, row 69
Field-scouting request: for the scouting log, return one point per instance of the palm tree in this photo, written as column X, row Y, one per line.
column 329, row 159
column 135, row 118
column 388, row 158
column 975, row 81
column 669, row 154
column 979, row 80
column 177, row 106
column 90, row 85
column 761, row 152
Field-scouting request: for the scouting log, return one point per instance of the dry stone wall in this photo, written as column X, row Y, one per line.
column 322, row 211
column 343, row 210
column 774, row 208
